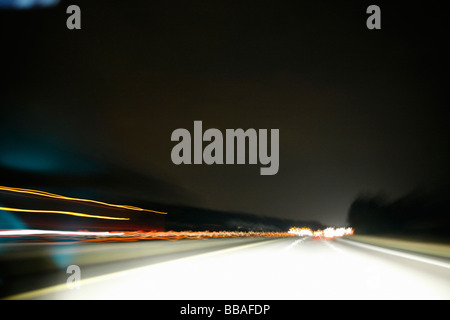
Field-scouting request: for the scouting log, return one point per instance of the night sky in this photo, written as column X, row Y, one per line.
column 358, row 110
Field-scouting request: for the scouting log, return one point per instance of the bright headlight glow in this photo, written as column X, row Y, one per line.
column 328, row 233
column 302, row 232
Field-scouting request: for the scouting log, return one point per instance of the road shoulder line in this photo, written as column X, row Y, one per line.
column 406, row 255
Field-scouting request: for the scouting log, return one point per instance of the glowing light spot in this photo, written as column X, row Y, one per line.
column 302, row 232
column 26, row 4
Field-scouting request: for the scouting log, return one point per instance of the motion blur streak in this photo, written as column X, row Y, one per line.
column 28, row 232
column 129, row 236
column 57, row 196
column 178, row 235
column 250, row 269
column 77, row 214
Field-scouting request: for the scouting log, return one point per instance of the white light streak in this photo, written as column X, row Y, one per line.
column 33, row 232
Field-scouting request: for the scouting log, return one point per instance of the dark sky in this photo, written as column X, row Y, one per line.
column 358, row 110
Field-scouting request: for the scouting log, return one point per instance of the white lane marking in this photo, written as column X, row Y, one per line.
column 293, row 244
column 62, row 287
column 334, row 247
column 393, row 252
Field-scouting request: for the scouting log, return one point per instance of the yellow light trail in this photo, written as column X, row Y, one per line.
column 77, row 214
column 57, row 196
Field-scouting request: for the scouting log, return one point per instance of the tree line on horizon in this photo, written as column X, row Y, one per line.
column 418, row 212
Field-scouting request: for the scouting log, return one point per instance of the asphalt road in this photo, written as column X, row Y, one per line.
column 287, row 268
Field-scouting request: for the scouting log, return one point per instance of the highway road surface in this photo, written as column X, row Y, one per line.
column 282, row 268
